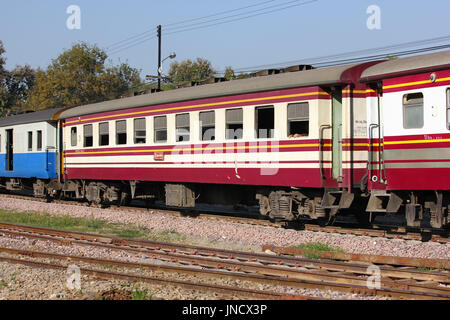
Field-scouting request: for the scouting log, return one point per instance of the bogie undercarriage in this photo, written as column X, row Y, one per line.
column 419, row 208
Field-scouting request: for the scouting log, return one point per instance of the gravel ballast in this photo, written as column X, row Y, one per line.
column 235, row 235
column 16, row 283
column 47, row 284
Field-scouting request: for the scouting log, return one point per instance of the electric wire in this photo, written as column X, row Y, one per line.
column 345, row 56
column 204, row 25
column 146, row 35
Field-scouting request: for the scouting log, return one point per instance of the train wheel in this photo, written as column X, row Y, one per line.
column 329, row 218
column 94, row 193
column 365, row 219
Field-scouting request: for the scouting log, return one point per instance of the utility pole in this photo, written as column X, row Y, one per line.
column 159, row 58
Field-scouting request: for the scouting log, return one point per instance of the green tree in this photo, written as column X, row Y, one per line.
column 229, row 73
column 243, row 76
column 80, row 76
column 188, row 70
column 129, row 78
column 19, row 83
column 3, row 90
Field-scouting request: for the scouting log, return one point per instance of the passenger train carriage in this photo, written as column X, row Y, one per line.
column 414, row 107
column 29, row 145
column 372, row 137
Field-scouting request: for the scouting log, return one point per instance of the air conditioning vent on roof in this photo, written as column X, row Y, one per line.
column 301, row 67
column 266, row 72
column 212, row 80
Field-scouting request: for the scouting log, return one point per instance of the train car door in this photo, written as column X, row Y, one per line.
column 337, row 134
column 9, row 150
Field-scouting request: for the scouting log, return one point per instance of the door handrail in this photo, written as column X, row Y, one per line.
column 321, row 129
column 369, row 167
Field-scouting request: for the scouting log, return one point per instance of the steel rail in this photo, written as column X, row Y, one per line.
column 170, row 249
column 350, row 288
column 177, row 251
column 110, row 275
column 442, row 264
column 298, row 267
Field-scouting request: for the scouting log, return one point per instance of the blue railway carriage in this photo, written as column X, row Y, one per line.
column 29, row 150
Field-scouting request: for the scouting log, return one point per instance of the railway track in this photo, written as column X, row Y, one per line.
column 439, row 264
column 402, row 283
column 127, row 276
column 378, row 231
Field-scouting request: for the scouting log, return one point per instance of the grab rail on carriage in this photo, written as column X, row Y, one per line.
column 321, row 129
column 369, row 167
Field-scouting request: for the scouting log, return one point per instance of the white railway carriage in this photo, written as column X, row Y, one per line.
column 411, row 115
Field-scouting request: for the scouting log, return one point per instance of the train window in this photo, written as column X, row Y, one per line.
column 88, row 137
column 182, row 127
column 265, row 122
column 234, row 124
column 30, row 141
column 73, row 136
column 298, row 119
column 448, row 108
column 39, row 140
column 413, row 110
column 160, row 127
column 207, row 126
column 121, row 132
column 139, row 130
column 103, row 134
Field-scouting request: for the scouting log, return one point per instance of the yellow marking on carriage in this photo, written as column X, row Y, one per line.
column 362, row 144
column 201, row 149
column 416, row 141
column 354, row 91
column 408, row 84
column 201, row 106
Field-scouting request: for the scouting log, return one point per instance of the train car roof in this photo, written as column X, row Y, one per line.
column 315, row 77
column 31, row 117
column 405, row 66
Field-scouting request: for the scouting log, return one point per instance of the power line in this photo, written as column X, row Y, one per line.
column 188, row 28
column 218, row 14
column 373, row 57
column 144, row 36
column 344, row 61
column 234, row 15
column 132, row 44
column 323, row 59
column 380, row 56
column 130, row 39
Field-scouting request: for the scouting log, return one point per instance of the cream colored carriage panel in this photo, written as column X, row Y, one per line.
column 171, row 136
column 280, row 121
column 220, row 120
column 249, row 123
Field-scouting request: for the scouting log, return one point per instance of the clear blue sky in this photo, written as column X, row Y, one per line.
column 34, row 31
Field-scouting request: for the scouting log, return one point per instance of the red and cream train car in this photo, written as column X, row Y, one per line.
column 410, row 111
column 370, row 136
column 281, row 139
